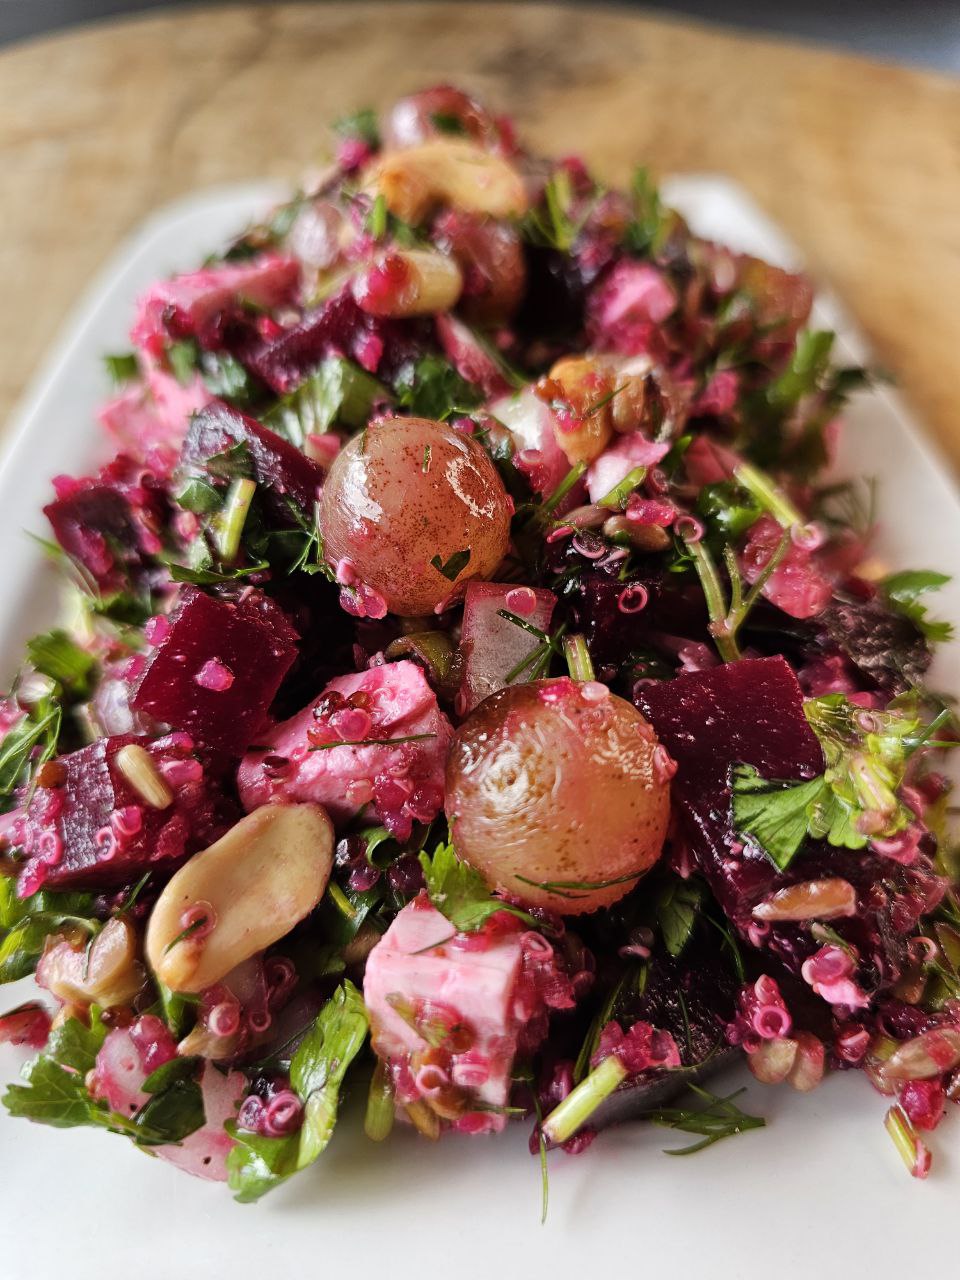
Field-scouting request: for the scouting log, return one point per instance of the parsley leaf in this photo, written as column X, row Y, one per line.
column 54, row 1091
column 338, row 392
column 317, row 1070
column 121, row 368
column 454, row 566
column 677, row 906
column 461, row 893
column 361, row 124
column 431, row 388
column 28, row 745
column 183, row 359
column 902, row 592
column 56, row 655
column 776, row 814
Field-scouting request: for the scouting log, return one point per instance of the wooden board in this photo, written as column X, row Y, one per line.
column 860, row 162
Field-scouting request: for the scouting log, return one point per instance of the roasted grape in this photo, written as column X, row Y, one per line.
column 411, row 511
column 558, row 793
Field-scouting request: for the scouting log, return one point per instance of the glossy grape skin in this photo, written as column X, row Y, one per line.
column 558, row 783
column 407, row 490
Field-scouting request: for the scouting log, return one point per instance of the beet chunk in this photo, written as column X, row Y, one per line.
column 745, row 712
column 283, row 470
column 111, row 523
column 752, row 712
column 338, row 327
column 217, row 667
column 94, row 830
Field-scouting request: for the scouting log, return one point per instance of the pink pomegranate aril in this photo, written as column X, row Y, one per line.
column 94, row 830
column 218, row 668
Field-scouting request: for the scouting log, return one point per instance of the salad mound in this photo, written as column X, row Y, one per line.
column 473, row 690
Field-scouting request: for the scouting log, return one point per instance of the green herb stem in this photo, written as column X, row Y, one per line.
column 227, row 528
column 579, row 662
column 580, row 1104
column 373, row 742
column 551, row 503
column 768, row 495
column 616, row 499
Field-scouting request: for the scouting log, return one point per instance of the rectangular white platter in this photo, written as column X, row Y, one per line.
column 819, row 1191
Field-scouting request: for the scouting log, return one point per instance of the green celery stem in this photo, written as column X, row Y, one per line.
column 580, row 1104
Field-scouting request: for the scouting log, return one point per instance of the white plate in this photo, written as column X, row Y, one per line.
column 819, row 1191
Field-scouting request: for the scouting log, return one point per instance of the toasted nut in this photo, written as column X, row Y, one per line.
column 448, row 171
column 773, row 1061
column 138, row 768
column 810, row 900
column 645, row 537
column 409, row 282
column 107, row 973
column 243, row 893
column 578, row 390
column 424, row 1119
column 202, row 1043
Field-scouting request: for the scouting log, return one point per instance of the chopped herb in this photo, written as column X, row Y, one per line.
column 461, row 893
column 902, row 592
column 362, row 124
column 619, row 495
column 444, row 122
column 186, row 933
column 579, row 662
column 225, row 377
column 212, row 577
column 431, row 388
column 28, row 745
column 376, row 221
column 122, row 369
column 776, row 814
column 56, row 655
column 427, row 453
column 317, row 1071
column 569, row 888
column 720, row 1118
column 199, row 496
column 339, row 391
column 644, row 229
column 677, row 906
column 602, row 402
column 26, row 923
column 453, row 566
column 183, row 359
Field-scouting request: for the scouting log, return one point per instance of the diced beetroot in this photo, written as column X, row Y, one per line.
column 747, row 712
column 404, row 782
column 217, row 667
column 796, row 585
column 278, row 465
column 339, row 327
column 94, row 830
column 493, row 646
column 110, row 523
column 449, row 1011
column 193, row 305
column 751, row 712
column 616, row 463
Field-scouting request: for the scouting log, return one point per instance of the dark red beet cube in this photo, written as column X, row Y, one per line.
column 752, row 712
column 217, row 667
column 338, row 327
column 94, row 830
column 747, row 712
column 283, row 470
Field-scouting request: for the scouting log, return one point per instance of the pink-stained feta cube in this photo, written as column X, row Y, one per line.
column 118, row 1077
column 190, row 305
column 616, row 463
column 149, row 420
column 301, row 759
column 532, row 425
column 493, row 646
column 446, row 1010
column 626, row 310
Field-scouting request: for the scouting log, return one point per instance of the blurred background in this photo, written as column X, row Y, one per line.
column 921, row 32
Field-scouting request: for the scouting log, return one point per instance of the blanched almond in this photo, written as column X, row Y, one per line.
column 448, row 171
column 241, row 895
column 409, row 282
column 107, row 973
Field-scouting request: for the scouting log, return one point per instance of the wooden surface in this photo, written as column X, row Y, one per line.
column 859, row 162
